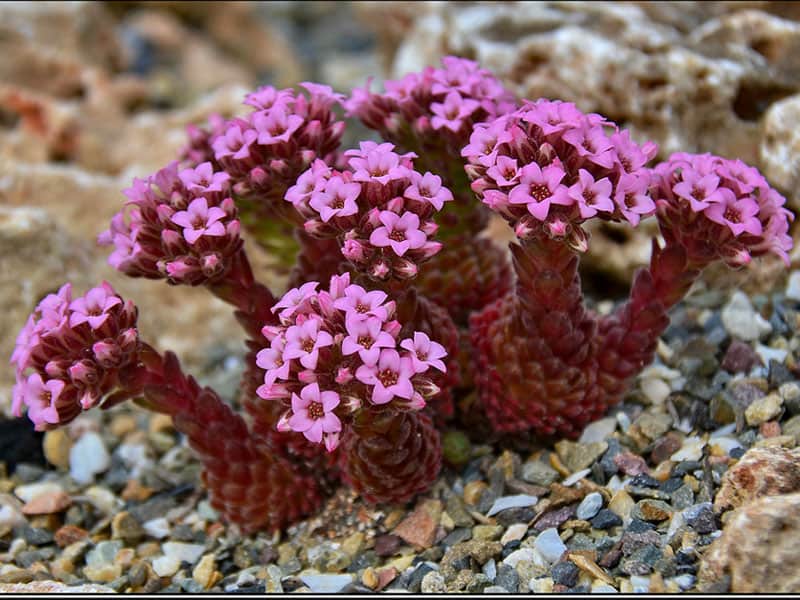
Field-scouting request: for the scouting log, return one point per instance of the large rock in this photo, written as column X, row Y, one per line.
column 757, row 550
column 760, row 472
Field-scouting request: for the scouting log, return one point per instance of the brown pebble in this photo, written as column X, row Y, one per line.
column 135, row 491
column 589, row 566
column 419, row 528
column 630, row 464
column 385, row 577
column 56, row 446
column 387, row 545
column 770, row 429
column 561, row 495
column 393, row 518
column 160, row 423
column 122, row 425
column 370, row 578
column 665, row 447
column 473, row 491
column 69, row 534
column 47, row 503
column 125, row 527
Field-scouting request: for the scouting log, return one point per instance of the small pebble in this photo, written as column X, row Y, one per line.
column 506, row 502
column 606, row 519
column 741, row 320
column 88, row 457
column 691, row 450
column 537, row 472
column 433, row 583
column 589, row 506
column 549, row 545
column 598, row 431
column 514, row 532
column 763, row 410
column 565, row 573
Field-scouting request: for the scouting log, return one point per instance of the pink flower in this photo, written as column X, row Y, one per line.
column 428, row 188
column 391, row 377
column 360, row 304
column 271, row 360
column 376, row 162
column 366, row 338
column 538, row 188
column 312, row 180
column 630, row 155
column 235, row 142
column 264, row 98
column 593, row 144
column 294, row 300
column 400, row 232
column 699, row 190
column 484, row 141
column 40, row 398
column 553, row 117
column 304, row 340
column 202, row 179
column 504, row 171
column 199, row 220
column 453, row 111
column 739, row 216
column 93, row 307
column 424, row 353
column 632, row 199
column 592, row 196
column 337, row 199
column 275, row 125
column 312, row 413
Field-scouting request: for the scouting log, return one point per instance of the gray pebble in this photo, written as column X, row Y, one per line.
column 507, row 578
column 539, row 473
column 589, row 506
column 565, row 573
column 606, row 519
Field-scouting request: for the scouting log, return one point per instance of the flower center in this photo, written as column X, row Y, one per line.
column 589, row 196
column 422, row 355
column 337, row 203
column 397, row 235
column 630, row 200
column 387, row 377
column 316, row 411
column 362, row 308
column 366, row 342
column 307, row 345
column 698, row 193
column 732, row 215
column 540, row 192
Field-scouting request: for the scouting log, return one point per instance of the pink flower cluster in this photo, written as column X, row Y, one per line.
column 68, row 355
column 444, row 102
column 179, row 225
column 266, row 150
column 380, row 209
column 721, row 208
column 549, row 167
column 337, row 351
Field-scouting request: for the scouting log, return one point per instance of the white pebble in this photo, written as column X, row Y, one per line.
column 767, row 354
column 88, row 457
column 598, row 431
column 157, row 528
column 103, row 499
column 641, row 585
column 624, row 421
column 326, row 584
column 742, row 321
column 589, row 506
column 524, row 554
column 549, row 545
column 603, row 588
column 615, row 483
column 11, row 514
column 684, row 581
column 515, row 532
column 28, row 492
column 490, row 569
column 506, row 502
column 576, row 477
column 655, row 390
column 793, row 286
column 166, row 566
column 191, row 553
column 692, row 449
column 724, row 430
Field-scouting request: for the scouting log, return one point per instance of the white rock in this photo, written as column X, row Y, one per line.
column 742, row 321
column 326, row 583
column 88, row 457
column 589, row 506
column 576, row 477
column 515, row 532
column 137, row 457
column 11, row 512
column 506, row 502
column 490, row 569
column 104, row 499
column 723, row 431
column 684, row 581
column 541, row 585
column 793, row 286
column 655, row 390
column 692, row 449
column 615, row 483
column 603, row 588
column 166, row 566
column 641, row 585
column 191, row 553
column 28, row 492
column 530, row 555
column 549, row 544
column 727, row 444
column 624, row 421
column 767, row 354
column 598, row 431
column 157, row 528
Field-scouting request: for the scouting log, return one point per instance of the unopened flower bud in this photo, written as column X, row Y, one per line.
column 405, row 269
column 354, row 251
column 283, row 423
column 211, row 265
column 351, row 403
column 379, row 269
column 429, row 228
column 84, row 373
column 331, row 441
column 107, row 353
column 307, row 376
column 429, row 249
column 343, row 376
column 259, row 176
column 428, row 389
column 395, row 204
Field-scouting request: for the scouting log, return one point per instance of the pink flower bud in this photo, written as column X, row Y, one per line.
column 354, row 251
column 395, row 204
column 429, row 249
column 393, row 328
column 127, row 340
column 283, row 423
column 405, row 269
column 331, row 441
column 379, row 269
column 429, row 228
column 344, row 376
column 307, row 156
column 83, row 373
column 172, row 240
column 314, row 227
column 107, row 353
column 211, row 265
column 259, row 176
column 556, row 227
column 307, row 376
column 351, row 403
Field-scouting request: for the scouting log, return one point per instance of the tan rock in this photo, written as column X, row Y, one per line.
column 760, row 472
column 56, row 445
column 757, row 549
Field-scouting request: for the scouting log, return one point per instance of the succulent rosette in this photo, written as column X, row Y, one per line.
column 337, row 352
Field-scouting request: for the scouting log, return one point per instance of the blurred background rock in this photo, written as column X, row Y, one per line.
column 95, row 93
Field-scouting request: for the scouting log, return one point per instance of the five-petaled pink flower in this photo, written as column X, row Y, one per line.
column 312, row 414
column 93, row 307
column 235, row 142
column 275, row 125
column 391, row 377
column 202, row 179
column 632, row 198
column 367, row 338
column 700, row 190
column 452, row 112
column 40, row 397
column 271, row 360
column 538, row 188
column 294, row 299
column 424, row 353
column 504, row 171
column 428, row 188
column 402, row 233
column 359, row 304
column 199, row 220
column 592, row 196
column 304, row 340
column 376, row 162
column 592, row 144
column 740, row 216
column 337, row 199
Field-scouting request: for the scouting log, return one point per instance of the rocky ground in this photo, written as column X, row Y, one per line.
column 692, row 484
